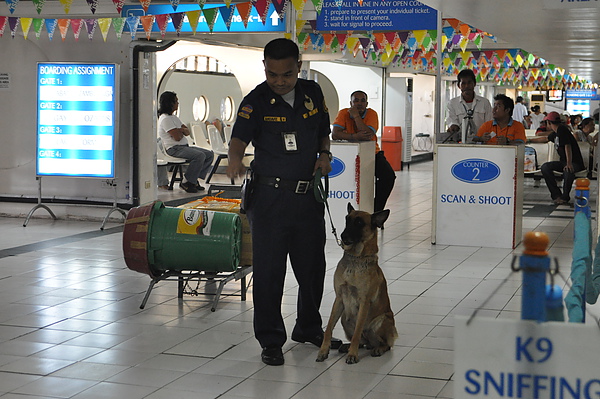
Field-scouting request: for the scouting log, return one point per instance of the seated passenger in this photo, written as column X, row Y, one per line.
column 536, row 117
column 501, row 130
column 544, row 129
column 584, row 131
column 219, row 125
column 574, row 121
column 359, row 123
column 174, row 133
column 570, row 161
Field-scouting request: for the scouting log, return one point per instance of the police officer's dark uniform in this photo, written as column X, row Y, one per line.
column 284, row 215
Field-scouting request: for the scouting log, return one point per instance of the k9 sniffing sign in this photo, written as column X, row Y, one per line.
column 496, row 358
column 478, row 195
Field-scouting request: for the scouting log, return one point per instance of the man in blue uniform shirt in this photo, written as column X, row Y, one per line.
column 287, row 121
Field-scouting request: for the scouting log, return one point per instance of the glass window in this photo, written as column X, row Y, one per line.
column 200, row 108
column 227, row 109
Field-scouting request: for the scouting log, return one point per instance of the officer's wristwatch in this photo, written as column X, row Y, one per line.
column 328, row 154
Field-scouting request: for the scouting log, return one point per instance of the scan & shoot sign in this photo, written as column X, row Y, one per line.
column 478, row 195
column 496, row 358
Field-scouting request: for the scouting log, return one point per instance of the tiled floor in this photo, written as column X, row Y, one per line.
column 71, row 326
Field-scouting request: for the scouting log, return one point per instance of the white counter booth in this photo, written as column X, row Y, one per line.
column 352, row 180
column 478, row 195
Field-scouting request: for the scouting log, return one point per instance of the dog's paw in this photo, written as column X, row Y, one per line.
column 352, row 359
column 322, row 356
column 344, row 348
column 380, row 350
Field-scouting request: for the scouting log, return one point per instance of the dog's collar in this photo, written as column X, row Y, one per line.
column 363, row 257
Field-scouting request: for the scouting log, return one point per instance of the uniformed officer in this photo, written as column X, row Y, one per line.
column 287, row 121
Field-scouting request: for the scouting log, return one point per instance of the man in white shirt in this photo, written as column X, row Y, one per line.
column 520, row 111
column 468, row 107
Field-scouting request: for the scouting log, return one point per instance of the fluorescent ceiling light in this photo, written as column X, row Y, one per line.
column 402, row 75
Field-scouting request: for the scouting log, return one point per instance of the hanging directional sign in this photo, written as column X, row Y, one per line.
column 272, row 24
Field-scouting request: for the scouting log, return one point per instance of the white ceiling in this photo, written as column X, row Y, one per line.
column 564, row 33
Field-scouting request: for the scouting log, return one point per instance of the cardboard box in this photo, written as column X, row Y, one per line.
column 228, row 205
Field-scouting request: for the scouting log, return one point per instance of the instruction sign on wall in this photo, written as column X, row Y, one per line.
column 76, row 119
column 377, row 15
column 496, row 358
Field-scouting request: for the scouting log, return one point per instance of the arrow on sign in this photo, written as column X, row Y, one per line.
column 274, row 18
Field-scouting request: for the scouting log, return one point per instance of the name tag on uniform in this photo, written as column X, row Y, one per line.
column 289, row 141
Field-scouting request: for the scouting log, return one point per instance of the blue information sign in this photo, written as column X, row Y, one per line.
column 377, row 15
column 589, row 94
column 272, row 24
column 76, row 119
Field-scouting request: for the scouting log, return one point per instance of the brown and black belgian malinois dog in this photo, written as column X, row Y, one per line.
column 361, row 297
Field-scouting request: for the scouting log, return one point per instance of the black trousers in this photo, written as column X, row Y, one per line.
column 286, row 224
column 548, row 169
column 385, row 177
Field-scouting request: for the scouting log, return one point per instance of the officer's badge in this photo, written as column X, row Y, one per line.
column 308, row 103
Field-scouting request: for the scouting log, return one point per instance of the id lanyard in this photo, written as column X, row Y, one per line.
column 470, row 112
column 468, row 128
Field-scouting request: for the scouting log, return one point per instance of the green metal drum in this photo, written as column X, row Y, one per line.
column 182, row 240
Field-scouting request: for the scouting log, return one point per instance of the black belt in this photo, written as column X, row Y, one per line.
column 297, row 186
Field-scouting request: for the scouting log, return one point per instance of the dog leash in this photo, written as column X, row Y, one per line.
column 321, row 194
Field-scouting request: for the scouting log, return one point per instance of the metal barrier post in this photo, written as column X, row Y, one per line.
column 534, row 263
column 581, row 265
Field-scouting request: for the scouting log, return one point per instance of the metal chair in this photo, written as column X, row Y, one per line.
column 175, row 164
column 227, row 132
column 584, row 148
column 219, row 147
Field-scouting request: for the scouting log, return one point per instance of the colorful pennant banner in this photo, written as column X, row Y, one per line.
column 414, row 50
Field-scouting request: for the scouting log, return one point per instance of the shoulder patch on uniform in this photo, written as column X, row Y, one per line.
column 245, row 111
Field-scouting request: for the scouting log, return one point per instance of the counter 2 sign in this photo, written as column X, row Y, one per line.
column 475, row 171
column 76, row 119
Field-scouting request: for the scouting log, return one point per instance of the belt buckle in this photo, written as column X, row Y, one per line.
column 302, row 186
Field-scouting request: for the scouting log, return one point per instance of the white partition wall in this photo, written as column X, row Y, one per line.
column 477, row 195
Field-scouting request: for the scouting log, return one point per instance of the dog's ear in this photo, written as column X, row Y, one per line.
column 379, row 218
column 350, row 207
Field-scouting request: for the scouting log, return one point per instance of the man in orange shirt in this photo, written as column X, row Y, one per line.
column 502, row 130
column 359, row 123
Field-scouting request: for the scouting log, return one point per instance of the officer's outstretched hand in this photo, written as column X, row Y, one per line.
column 323, row 164
column 235, row 169
column 235, row 155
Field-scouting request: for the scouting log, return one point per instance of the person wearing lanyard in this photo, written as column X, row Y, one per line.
column 468, row 107
column 501, row 130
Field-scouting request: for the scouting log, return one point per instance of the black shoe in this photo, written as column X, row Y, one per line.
column 199, row 187
column 189, row 187
column 272, row 356
column 317, row 340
